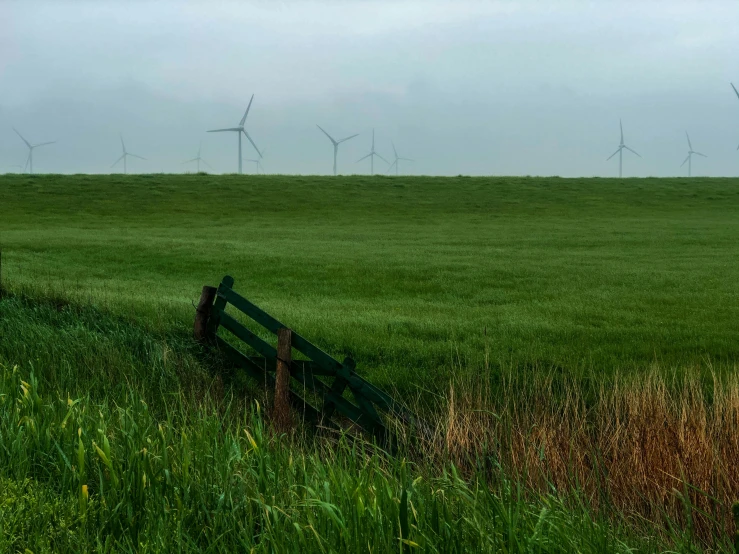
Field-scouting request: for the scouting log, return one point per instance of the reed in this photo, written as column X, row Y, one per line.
column 116, row 437
column 658, row 448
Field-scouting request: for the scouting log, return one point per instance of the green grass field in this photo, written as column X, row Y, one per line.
column 405, row 274
column 117, row 436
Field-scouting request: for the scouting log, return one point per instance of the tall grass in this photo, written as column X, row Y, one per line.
column 149, row 451
column 83, row 476
column 659, row 449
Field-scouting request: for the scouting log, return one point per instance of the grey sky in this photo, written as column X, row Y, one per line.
column 482, row 88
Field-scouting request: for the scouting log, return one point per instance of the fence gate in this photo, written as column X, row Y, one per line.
column 321, row 374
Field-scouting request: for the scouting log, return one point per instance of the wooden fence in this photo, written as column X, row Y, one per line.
column 341, row 392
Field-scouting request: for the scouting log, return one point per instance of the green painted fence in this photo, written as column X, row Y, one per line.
column 341, row 391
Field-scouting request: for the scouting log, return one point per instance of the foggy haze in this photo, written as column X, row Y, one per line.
column 477, row 88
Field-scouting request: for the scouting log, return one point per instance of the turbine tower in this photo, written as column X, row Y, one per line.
column 737, row 95
column 257, row 163
column 620, row 151
column 335, row 143
column 372, row 155
column 240, row 129
column 29, row 160
column 198, row 159
column 689, row 159
column 124, row 157
column 395, row 161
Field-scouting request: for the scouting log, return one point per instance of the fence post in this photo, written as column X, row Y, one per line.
column 281, row 411
column 202, row 313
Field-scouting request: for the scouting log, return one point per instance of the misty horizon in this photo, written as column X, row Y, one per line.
column 466, row 88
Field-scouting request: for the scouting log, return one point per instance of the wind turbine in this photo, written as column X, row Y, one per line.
column 198, row 159
column 689, row 159
column 335, row 143
column 258, row 163
column 29, row 160
column 372, row 155
column 620, row 151
column 240, row 129
column 124, row 156
column 395, row 161
column 737, row 95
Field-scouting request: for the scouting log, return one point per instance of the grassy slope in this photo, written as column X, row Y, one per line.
column 108, row 444
column 402, row 273
column 405, row 274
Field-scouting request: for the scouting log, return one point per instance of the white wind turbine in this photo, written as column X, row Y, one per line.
column 240, row 129
column 372, row 155
column 257, row 163
column 125, row 156
column 198, row 159
column 620, row 150
column 689, row 159
column 395, row 161
column 737, row 95
column 335, row 143
column 29, row 160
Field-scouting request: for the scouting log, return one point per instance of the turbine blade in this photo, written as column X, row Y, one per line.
column 190, row 161
column 383, row 159
column 135, row 156
column 243, row 119
column 620, row 125
column 700, row 154
column 24, row 140
column 28, row 159
column 43, row 144
column 394, row 150
column 736, row 91
column 118, row 160
column 325, row 133
column 239, row 129
column 632, row 151
column 252, row 143
column 392, row 165
column 206, row 163
column 616, row 152
column 347, row 138
column 360, row 159
column 122, row 145
column 690, row 146
column 685, row 161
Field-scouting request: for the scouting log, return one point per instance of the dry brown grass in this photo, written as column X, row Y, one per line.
column 650, row 447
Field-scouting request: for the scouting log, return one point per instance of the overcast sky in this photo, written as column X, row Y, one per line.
column 479, row 88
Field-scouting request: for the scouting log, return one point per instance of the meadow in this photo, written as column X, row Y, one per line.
column 405, row 274
column 572, row 343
